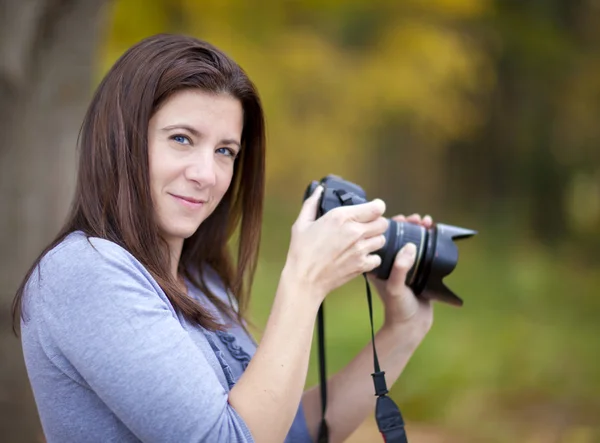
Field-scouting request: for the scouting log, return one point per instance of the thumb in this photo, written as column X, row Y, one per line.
column 308, row 212
column 402, row 264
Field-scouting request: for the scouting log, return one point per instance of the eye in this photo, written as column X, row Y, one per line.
column 181, row 139
column 228, row 152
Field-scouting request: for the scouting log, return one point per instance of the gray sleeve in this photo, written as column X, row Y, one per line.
column 108, row 320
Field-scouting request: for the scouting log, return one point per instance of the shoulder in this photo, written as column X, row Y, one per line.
column 77, row 250
column 80, row 256
column 85, row 278
column 85, row 266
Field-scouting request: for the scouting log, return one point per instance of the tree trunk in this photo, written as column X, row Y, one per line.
column 47, row 49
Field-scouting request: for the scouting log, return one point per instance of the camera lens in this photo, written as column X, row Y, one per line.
column 437, row 256
column 397, row 235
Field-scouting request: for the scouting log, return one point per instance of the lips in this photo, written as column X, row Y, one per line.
column 188, row 201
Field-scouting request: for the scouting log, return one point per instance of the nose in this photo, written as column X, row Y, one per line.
column 202, row 171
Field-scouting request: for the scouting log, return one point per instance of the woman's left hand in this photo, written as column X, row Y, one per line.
column 410, row 316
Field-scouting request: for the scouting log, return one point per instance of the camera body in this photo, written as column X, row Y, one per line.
column 437, row 255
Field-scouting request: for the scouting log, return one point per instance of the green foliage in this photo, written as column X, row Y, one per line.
column 519, row 354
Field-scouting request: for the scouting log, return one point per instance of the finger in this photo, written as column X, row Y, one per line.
column 375, row 227
column 402, row 263
column 365, row 212
column 371, row 244
column 370, row 262
column 399, row 218
column 414, row 218
column 427, row 221
column 311, row 204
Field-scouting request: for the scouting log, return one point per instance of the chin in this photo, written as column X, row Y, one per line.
column 182, row 232
column 186, row 233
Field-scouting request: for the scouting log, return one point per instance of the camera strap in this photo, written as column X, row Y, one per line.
column 387, row 415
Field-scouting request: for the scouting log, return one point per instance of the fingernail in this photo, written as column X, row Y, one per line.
column 380, row 203
column 409, row 249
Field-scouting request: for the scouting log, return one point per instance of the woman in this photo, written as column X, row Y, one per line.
column 133, row 318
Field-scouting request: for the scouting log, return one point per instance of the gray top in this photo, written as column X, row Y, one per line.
column 110, row 360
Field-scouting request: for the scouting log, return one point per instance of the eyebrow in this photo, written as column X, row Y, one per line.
column 197, row 134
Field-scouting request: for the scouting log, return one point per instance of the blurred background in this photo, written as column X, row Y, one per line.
column 482, row 113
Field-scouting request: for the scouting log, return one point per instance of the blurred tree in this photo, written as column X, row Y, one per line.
column 537, row 151
column 47, row 49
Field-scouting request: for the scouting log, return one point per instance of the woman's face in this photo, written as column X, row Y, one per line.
column 193, row 140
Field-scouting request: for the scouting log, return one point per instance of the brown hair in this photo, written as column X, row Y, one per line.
column 112, row 197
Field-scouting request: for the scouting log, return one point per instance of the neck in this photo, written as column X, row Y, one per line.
column 175, row 247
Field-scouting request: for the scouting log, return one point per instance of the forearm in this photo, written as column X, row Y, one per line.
column 269, row 392
column 350, row 392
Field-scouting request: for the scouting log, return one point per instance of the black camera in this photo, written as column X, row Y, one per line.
column 437, row 254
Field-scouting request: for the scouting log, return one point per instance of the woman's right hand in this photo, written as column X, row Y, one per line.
column 330, row 251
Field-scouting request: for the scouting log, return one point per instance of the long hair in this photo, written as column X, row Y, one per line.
column 112, row 197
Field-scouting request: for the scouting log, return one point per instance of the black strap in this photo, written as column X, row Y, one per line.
column 323, row 429
column 388, row 416
column 379, row 390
